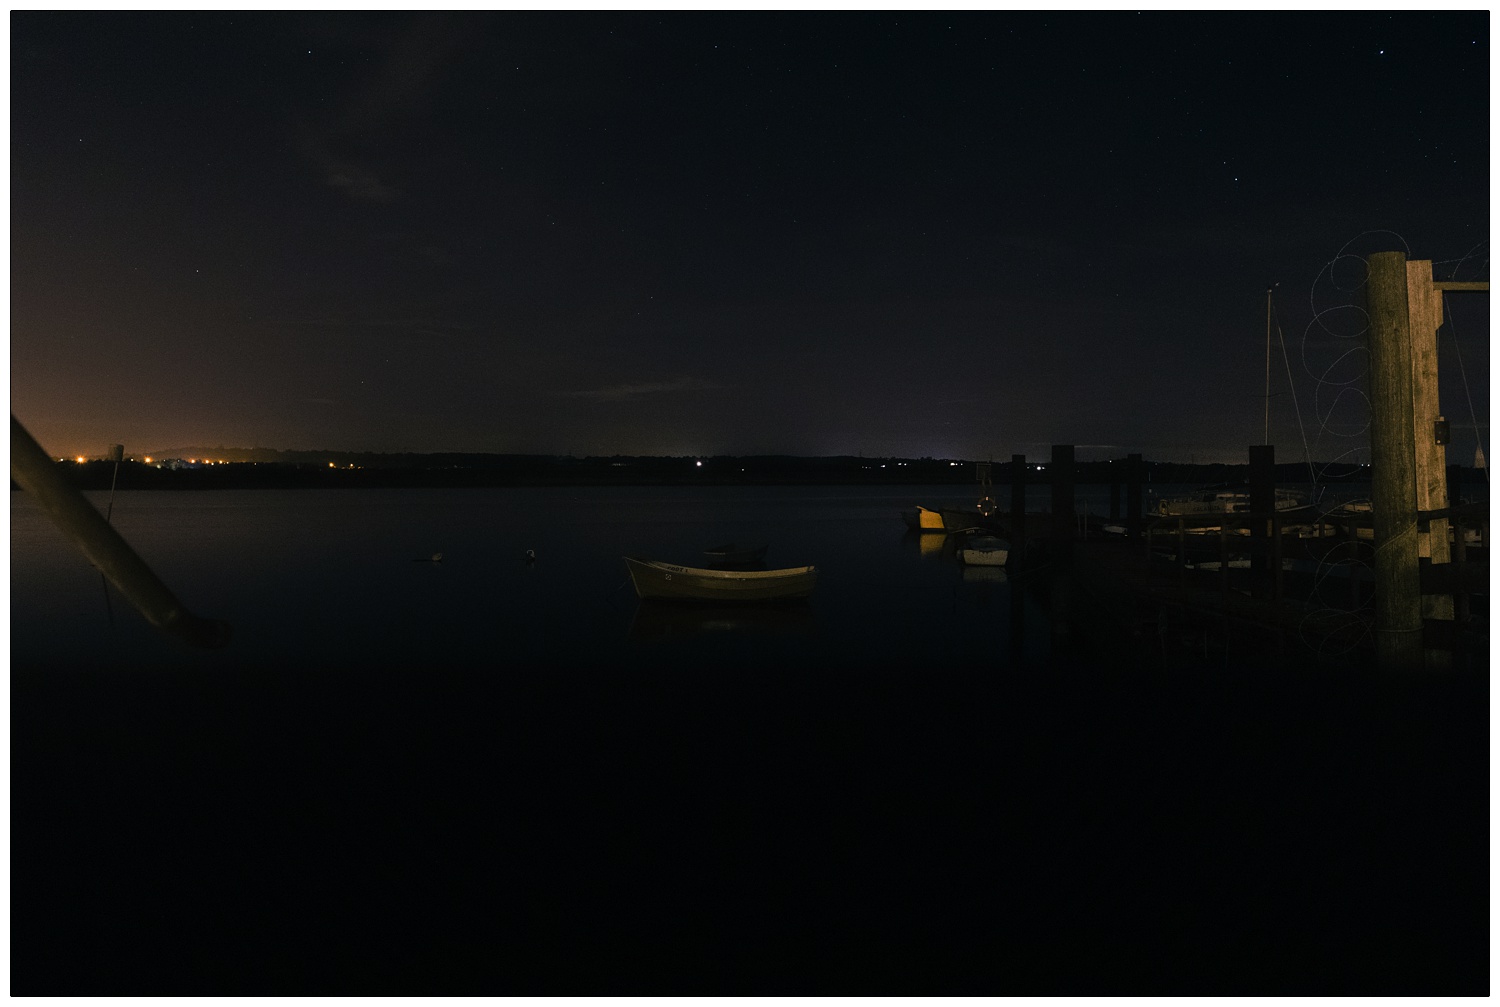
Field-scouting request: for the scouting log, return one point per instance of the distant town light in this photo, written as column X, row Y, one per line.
column 148, row 460
column 699, row 464
column 79, row 459
column 332, row 465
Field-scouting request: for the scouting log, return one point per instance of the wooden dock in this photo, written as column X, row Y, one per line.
column 1222, row 586
column 1222, row 596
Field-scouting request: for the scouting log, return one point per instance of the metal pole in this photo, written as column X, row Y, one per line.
column 1268, row 368
column 116, row 453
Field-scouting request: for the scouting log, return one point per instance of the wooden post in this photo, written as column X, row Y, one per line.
column 1425, row 317
column 1133, row 471
column 1063, row 513
column 1182, row 564
column 1398, row 598
column 1277, row 549
column 1018, row 501
column 102, row 545
column 1017, row 620
column 1461, row 599
column 1224, row 568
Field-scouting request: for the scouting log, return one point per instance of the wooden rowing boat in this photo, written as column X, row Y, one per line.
column 667, row 581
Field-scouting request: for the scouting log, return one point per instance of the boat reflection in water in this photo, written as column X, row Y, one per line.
column 664, row 620
column 984, row 575
column 933, row 545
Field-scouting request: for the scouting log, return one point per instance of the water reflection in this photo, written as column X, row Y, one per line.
column 984, row 575
column 666, row 621
column 927, row 543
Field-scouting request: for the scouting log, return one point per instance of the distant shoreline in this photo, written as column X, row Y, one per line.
column 451, row 471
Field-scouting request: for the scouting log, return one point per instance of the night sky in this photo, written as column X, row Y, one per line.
column 958, row 235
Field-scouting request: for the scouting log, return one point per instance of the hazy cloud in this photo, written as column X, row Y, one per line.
column 359, row 182
column 398, row 89
column 416, row 326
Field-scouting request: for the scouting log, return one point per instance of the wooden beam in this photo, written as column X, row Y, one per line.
column 1424, row 316
column 1461, row 285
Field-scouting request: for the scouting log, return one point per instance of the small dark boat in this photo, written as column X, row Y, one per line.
column 670, row 582
column 733, row 554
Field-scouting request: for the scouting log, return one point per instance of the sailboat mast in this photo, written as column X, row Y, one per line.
column 1267, row 439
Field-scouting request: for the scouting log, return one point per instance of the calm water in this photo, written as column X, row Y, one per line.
column 492, row 777
column 336, row 579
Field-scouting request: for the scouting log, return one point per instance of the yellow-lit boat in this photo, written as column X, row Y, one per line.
column 922, row 519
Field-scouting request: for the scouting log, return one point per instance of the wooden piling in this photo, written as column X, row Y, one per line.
column 1278, row 543
column 1461, row 597
column 1018, row 620
column 1224, row 566
column 1425, row 316
column 1398, row 599
column 1063, row 512
column 1018, row 501
column 1134, row 471
column 1182, row 563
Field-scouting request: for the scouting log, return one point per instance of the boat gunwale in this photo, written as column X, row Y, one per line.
column 722, row 575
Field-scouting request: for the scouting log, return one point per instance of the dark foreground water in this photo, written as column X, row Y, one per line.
column 490, row 776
